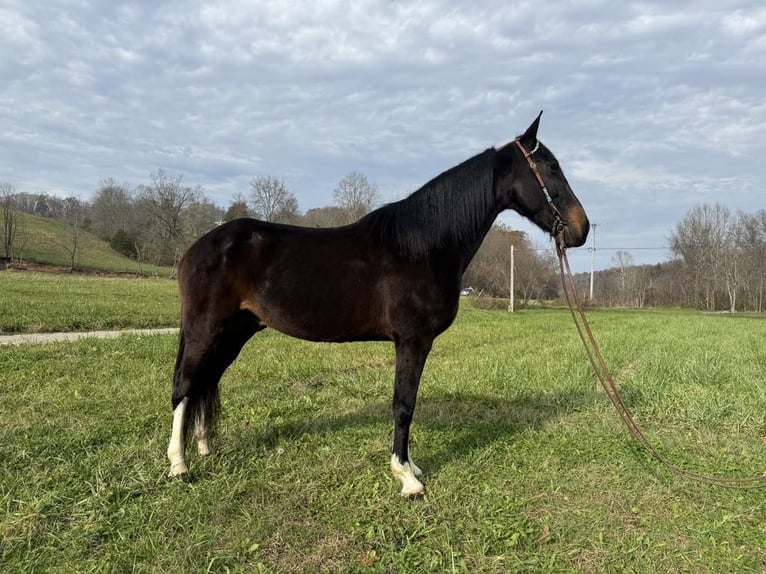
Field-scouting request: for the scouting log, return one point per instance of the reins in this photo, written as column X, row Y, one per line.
column 610, row 387
column 598, row 363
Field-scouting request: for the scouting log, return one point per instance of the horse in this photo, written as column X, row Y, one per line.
column 393, row 275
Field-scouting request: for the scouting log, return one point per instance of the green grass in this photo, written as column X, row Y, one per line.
column 527, row 468
column 40, row 302
column 47, row 241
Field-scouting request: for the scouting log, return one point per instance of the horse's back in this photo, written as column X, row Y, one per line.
column 318, row 284
column 333, row 284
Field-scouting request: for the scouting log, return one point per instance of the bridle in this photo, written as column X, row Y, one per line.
column 559, row 224
column 596, row 359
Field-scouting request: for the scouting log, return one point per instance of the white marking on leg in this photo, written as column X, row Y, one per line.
column 411, row 486
column 202, row 436
column 176, row 445
column 415, row 470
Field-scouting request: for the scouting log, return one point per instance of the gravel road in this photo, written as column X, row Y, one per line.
column 38, row 338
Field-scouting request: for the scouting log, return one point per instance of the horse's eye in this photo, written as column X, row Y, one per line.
column 555, row 167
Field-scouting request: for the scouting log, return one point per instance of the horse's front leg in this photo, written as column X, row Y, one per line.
column 410, row 359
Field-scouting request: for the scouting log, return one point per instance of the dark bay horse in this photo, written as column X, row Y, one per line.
column 393, row 275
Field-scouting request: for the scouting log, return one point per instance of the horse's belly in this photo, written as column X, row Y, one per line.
column 332, row 317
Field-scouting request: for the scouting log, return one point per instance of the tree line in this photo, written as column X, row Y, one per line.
column 718, row 264
column 718, row 256
column 156, row 222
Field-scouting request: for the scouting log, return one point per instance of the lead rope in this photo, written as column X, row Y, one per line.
column 610, row 387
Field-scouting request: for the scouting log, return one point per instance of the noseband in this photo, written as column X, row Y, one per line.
column 558, row 221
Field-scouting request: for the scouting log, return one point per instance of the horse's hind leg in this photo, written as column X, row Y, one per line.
column 177, row 445
column 202, row 429
column 203, row 356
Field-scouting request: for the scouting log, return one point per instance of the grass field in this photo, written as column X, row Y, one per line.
column 527, row 468
column 45, row 302
column 48, row 241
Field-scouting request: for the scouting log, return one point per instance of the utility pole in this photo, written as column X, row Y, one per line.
column 510, row 301
column 592, row 259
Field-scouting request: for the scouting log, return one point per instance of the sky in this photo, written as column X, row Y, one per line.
column 650, row 107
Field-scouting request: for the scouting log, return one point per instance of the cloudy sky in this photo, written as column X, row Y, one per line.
column 651, row 107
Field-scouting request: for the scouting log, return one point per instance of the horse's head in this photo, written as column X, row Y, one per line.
column 528, row 179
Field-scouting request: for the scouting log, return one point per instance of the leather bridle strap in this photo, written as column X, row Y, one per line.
column 558, row 221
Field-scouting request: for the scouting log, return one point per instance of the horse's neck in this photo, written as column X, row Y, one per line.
column 470, row 248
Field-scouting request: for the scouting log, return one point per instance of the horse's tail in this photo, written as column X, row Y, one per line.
column 177, row 368
column 203, row 403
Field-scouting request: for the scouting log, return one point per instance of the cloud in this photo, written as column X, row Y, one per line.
column 745, row 22
column 650, row 106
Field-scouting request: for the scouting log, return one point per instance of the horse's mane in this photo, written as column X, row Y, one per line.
column 447, row 211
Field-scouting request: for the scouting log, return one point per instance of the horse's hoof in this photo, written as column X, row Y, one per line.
column 413, row 492
column 178, row 471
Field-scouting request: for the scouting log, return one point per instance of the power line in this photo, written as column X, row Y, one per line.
column 587, row 250
column 623, row 249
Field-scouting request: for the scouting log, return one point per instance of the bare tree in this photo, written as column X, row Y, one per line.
column 536, row 273
column 633, row 280
column 700, row 241
column 271, row 201
column 733, row 265
column 331, row 216
column 200, row 217
column 74, row 215
column 669, row 285
column 161, row 207
column 356, row 195
column 10, row 218
column 25, row 202
column 490, row 269
column 753, row 237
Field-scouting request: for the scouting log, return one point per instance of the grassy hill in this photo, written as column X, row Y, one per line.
column 49, row 242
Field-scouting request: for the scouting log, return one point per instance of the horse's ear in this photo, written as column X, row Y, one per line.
column 530, row 136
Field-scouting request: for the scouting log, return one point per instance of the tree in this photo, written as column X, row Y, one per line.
column 161, row 207
column 237, row 209
column 701, row 241
column 200, row 217
column 331, row 216
column 489, row 271
column 732, row 266
column 356, row 195
column 536, row 273
column 753, row 238
column 271, row 201
column 124, row 243
column 718, row 250
column 112, row 210
column 10, row 218
column 633, row 279
column 25, row 202
column 74, row 215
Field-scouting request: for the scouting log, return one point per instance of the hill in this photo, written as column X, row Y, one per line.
column 48, row 241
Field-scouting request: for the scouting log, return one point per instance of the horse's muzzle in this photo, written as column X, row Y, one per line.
column 577, row 227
